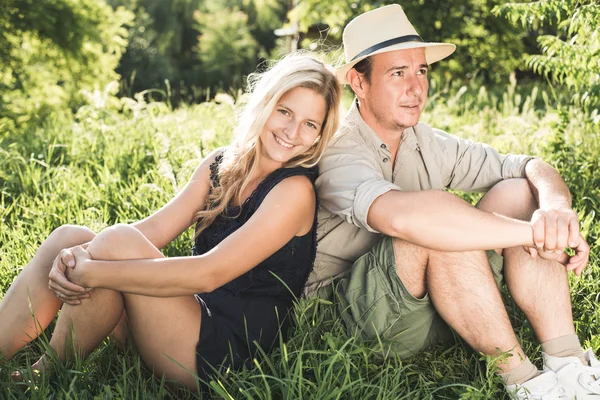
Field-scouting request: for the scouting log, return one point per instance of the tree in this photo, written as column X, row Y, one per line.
column 486, row 45
column 52, row 49
column 570, row 56
column 196, row 44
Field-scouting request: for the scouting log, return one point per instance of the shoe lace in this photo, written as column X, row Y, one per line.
column 590, row 380
column 556, row 392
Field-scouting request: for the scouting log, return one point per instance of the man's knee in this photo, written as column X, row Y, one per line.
column 476, row 257
column 512, row 198
column 412, row 255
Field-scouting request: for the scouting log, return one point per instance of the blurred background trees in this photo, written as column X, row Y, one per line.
column 486, row 45
column 51, row 49
column 187, row 50
column 571, row 52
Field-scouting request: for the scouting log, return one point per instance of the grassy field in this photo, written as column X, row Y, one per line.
column 104, row 166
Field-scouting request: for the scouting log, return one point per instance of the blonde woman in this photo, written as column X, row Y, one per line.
column 254, row 207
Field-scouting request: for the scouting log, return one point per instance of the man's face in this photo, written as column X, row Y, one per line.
column 395, row 96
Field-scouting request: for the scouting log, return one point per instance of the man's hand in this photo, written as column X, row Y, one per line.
column 555, row 229
column 575, row 263
column 60, row 285
column 582, row 255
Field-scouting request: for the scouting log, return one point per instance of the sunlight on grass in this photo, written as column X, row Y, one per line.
column 119, row 160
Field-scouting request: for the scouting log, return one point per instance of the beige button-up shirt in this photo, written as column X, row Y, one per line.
column 357, row 168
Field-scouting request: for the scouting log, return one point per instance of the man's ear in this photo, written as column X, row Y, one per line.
column 357, row 82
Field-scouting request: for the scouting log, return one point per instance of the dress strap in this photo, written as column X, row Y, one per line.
column 214, row 170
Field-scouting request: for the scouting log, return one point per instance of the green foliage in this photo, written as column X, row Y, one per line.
column 119, row 159
column 486, row 46
column 161, row 48
column 226, row 48
column 51, row 49
column 571, row 56
column 197, row 46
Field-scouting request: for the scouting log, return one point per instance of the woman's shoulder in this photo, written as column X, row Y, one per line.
column 296, row 192
column 293, row 179
column 209, row 165
column 300, row 182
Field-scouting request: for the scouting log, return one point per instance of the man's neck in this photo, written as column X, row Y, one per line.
column 392, row 137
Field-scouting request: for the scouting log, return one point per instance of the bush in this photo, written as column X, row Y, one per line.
column 486, row 46
column 50, row 50
column 197, row 46
column 570, row 56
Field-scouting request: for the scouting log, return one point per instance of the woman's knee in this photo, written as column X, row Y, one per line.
column 66, row 236
column 121, row 241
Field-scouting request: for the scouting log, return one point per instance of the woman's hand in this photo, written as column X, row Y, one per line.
column 60, row 280
column 76, row 274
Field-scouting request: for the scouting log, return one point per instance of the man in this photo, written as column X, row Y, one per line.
column 411, row 255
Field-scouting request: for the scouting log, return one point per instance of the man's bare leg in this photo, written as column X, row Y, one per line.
column 464, row 293
column 539, row 287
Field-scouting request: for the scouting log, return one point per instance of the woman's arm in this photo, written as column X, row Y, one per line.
column 170, row 221
column 160, row 228
column 288, row 210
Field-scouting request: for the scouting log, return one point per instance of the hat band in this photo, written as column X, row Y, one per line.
column 386, row 43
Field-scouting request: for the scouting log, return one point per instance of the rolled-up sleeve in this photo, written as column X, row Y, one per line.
column 350, row 180
column 475, row 167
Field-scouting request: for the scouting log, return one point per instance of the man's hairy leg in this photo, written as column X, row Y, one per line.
column 539, row 287
column 464, row 293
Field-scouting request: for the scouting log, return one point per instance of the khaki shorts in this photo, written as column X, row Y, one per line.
column 375, row 304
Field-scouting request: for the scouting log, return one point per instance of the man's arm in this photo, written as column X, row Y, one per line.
column 554, row 222
column 442, row 221
column 352, row 185
column 471, row 166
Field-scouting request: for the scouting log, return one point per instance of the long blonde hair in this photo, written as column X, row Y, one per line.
column 240, row 158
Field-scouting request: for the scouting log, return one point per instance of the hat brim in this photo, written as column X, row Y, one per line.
column 433, row 52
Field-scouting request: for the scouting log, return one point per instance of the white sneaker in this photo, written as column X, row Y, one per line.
column 543, row 387
column 584, row 380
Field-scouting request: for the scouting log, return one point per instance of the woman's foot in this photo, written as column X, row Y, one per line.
column 37, row 368
column 41, row 365
column 22, row 376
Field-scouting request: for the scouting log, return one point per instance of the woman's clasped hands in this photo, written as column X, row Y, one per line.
column 66, row 278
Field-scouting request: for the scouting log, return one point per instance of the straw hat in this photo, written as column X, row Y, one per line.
column 381, row 30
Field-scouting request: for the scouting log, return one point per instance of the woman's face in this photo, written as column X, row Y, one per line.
column 294, row 125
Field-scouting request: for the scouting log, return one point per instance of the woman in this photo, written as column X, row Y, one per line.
column 254, row 204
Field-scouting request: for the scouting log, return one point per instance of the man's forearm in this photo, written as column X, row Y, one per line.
column 547, row 185
column 442, row 221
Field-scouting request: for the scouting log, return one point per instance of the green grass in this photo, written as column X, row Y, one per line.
column 104, row 166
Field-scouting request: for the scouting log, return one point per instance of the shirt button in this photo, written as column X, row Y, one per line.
column 386, row 159
column 383, row 146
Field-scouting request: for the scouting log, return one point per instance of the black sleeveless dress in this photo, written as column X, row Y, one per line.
column 252, row 309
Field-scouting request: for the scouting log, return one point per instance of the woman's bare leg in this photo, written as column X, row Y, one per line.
column 29, row 305
column 165, row 330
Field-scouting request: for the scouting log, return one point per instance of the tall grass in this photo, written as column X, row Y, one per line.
column 117, row 160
